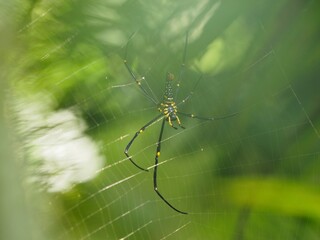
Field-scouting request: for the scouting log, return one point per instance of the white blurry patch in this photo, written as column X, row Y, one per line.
column 58, row 152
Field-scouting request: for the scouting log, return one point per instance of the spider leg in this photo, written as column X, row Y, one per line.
column 179, row 122
column 155, row 184
column 191, row 92
column 138, row 81
column 190, row 115
column 135, row 136
column 170, row 122
column 182, row 67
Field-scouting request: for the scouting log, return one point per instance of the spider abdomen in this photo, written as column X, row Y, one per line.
column 168, row 92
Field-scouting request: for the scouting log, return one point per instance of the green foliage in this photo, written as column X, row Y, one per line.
column 253, row 176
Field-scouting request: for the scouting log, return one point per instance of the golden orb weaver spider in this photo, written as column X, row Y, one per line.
column 168, row 109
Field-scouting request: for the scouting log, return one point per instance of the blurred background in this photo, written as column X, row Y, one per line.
column 69, row 107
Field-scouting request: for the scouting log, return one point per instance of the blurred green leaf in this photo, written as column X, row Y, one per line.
column 276, row 195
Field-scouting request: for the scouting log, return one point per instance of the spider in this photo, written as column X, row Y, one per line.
column 169, row 114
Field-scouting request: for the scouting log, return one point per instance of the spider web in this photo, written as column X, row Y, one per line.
column 244, row 177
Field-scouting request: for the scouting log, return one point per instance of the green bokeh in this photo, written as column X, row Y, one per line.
column 252, row 176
